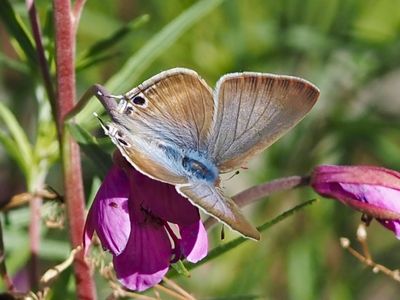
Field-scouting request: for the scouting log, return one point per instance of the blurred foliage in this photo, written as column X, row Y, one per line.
column 348, row 48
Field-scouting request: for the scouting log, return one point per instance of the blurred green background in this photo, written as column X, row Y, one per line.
column 349, row 48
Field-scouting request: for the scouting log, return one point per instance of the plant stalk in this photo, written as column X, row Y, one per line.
column 73, row 185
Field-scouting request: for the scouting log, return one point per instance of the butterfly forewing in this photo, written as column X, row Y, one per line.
column 178, row 108
column 211, row 199
column 253, row 111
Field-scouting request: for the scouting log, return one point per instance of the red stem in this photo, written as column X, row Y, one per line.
column 73, row 186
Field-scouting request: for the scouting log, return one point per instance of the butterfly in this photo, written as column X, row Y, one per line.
column 176, row 129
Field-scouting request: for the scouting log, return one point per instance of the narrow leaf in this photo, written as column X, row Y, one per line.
column 13, row 63
column 116, row 37
column 90, row 146
column 18, row 135
column 12, row 150
column 179, row 267
column 16, row 28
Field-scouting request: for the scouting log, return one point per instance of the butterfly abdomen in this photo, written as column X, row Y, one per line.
column 203, row 170
column 192, row 164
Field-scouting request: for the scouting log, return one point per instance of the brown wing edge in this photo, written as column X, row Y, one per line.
column 238, row 224
column 162, row 75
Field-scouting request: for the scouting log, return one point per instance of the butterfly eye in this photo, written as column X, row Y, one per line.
column 139, row 100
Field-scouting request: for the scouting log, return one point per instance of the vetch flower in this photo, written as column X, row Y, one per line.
column 374, row 191
column 134, row 216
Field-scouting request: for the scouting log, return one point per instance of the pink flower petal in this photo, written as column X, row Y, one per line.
column 109, row 215
column 194, row 241
column 393, row 225
column 161, row 199
column 371, row 190
column 357, row 174
column 146, row 257
column 88, row 230
column 384, row 200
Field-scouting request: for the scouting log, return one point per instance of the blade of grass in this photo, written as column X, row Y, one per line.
column 12, row 150
column 117, row 36
column 89, row 145
column 94, row 60
column 24, row 153
column 13, row 64
column 137, row 63
column 16, row 28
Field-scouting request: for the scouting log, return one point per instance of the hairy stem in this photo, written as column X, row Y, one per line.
column 73, row 185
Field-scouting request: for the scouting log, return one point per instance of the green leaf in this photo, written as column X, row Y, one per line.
column 137, row 63
column 214, row 253
column 116, row 37
column 23, row 154
column 90, row 146
column 179, row 267
column 16, row 28
column 60, row 288
column 87, row 63
column 13, row 63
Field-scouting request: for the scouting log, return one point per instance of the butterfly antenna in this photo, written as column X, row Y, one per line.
column 233, row 175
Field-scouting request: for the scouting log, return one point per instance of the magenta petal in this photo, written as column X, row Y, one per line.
column 377, row 201
column 146, row 257
column 88, row 231
column 161, row 199
column 194, row 243
column 378, row 196
column 393, row 225
column 109, row 214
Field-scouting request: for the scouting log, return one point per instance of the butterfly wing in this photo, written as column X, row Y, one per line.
column 211, row 199
column 177, row 107
column 160, row 119
column 253, row 111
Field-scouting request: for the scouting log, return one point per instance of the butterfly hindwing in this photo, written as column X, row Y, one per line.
column 211, row 199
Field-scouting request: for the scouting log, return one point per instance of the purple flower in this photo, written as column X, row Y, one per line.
column 374, row 191
column 145, row 224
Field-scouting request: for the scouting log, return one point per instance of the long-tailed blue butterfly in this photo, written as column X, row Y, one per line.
column 174, row 128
